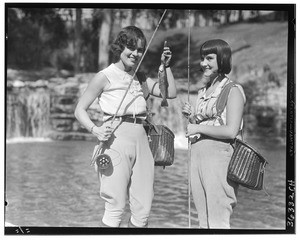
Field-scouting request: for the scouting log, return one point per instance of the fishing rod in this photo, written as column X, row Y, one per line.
column 113, row 119
column 104, row 158
column 189, row 140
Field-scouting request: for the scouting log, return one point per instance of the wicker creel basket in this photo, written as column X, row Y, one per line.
column 161, row 142
column 247, row 166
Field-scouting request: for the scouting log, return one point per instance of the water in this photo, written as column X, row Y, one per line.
column 50, row 184
column 28, row 113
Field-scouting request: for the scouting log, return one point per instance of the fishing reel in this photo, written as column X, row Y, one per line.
column 103, row 161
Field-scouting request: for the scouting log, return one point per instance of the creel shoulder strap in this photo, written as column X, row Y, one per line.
column 222, row 100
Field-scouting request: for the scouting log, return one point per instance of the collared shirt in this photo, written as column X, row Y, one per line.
column 206, row 112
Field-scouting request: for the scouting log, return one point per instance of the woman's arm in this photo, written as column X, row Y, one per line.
column 172, row 91
column 234, row 113
column 93, row 90
column 154, row 86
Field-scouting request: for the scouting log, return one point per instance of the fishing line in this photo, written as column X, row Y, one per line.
column 189, row 46
column 189, row 140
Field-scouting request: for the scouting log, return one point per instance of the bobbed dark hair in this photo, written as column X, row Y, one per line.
column 127, row 37
column 223, row 52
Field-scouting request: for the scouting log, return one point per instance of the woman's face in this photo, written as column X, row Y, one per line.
column 131, row 57
column 209, row 65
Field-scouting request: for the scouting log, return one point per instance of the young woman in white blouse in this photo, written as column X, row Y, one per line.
column 131, row 174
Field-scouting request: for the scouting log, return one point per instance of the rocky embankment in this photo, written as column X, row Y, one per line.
column 30, row 101
column 43, row 106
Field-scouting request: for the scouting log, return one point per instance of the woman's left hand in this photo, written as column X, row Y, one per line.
column 166, row 55
column 192, row 129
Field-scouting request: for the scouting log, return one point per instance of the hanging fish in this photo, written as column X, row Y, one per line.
column 163, row 82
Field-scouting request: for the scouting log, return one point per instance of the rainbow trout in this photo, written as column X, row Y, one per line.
column 163, row 82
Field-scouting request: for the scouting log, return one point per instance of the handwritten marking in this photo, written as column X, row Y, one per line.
column 291, row 204
column 20, row 230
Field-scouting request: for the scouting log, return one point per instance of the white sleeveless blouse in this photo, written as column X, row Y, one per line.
column 134, row 103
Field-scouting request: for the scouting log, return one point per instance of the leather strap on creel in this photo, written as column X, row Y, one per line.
column 222, row 100
column 220, row 106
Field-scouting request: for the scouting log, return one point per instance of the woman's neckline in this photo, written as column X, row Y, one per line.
column 131, row 72
column 222, row 78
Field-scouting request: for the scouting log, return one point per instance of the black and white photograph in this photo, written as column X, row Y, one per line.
column 126, row 118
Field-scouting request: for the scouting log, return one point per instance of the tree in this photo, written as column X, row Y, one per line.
column 240, row 16
column 227, row 14
column 78, row 40
column 34, row 34
column 104, row 37
column 134, row 13
column 197, row 18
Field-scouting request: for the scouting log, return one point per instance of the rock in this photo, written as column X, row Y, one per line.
column 12, row 74
column 72, row 79
column 9, row 84
column 57, row 80
column 18, row 84
column 62, row 125
column 65, row 73
column 39, row 84
column 63, row 104
column 85, row 77
column 68, row 88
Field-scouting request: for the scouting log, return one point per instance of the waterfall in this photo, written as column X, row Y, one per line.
column 27, row 113
column 171, row 116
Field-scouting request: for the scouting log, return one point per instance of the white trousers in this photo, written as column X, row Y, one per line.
column 214, row 196
column 131, row 176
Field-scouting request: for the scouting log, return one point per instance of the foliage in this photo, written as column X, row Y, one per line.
column 43, row 37
column 33, row 34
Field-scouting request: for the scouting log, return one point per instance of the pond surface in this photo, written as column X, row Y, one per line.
column 50, row 184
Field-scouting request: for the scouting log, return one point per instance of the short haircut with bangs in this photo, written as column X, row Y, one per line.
column 223, row 52
column 127, row 37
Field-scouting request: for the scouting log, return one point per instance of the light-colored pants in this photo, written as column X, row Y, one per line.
column 131, row 176
column 214, row 196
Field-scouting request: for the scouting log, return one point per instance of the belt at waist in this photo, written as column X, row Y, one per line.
column 138, row 119
column 205, row 137
column 133, row 120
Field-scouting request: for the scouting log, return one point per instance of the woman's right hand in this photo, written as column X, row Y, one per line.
column 103, row 133
column 188, row 112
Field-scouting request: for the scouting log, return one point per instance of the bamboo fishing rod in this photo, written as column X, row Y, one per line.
column 189, row 140
column 138, row 66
